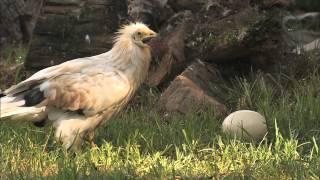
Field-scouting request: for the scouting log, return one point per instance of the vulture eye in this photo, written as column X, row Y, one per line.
column 139, row 33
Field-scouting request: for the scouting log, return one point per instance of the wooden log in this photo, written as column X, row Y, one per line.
column 73, row 30
column 17, row 21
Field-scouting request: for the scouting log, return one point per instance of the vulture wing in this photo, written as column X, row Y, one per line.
column 83, row 84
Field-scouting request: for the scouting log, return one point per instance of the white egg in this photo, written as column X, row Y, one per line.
column 245, row 124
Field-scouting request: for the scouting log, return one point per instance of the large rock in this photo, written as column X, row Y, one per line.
column 307, row 5
column 241, row 35
column 302, row 31
column 168, row 56
column 200, row 84
column 72, row 29
column 151, row 12
column 17, row 21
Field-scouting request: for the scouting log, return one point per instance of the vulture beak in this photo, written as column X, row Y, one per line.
column 149, row 36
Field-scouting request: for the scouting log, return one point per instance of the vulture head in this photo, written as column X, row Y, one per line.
column 138, row 33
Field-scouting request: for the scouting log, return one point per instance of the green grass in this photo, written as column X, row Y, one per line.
column 12, row 66
column 142, row 144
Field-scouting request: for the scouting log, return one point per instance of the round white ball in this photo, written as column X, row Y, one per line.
column 245, row 124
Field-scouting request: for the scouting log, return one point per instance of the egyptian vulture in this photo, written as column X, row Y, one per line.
column 79, row 95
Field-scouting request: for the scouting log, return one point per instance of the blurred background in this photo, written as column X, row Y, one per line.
column 211, row 41
column 212, row 57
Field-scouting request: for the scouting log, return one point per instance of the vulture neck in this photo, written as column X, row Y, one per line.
column 131, row 59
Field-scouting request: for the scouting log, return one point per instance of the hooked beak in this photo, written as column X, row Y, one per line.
column 147, row 38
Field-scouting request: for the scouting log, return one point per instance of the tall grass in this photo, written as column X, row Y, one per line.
column 141, row 143
column 296, row 109
column 12, row 66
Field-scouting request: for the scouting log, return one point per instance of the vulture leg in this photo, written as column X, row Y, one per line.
column 90, row 139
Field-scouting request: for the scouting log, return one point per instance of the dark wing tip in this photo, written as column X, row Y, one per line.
column 41, row 123
column 34, row 97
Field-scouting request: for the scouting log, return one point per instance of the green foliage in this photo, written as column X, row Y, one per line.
column 12, row 55
column 296, row 109
column 11, row 66
column 140, row 143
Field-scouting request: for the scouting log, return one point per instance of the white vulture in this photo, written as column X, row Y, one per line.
column 79, row 95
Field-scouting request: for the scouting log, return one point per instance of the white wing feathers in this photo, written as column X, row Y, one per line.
column 11, row 108
column 48, row 73
column 83, row 84
column 92, row 90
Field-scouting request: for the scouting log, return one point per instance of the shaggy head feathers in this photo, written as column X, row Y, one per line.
column 137, row 32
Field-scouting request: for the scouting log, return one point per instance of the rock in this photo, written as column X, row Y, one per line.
column 168, row 50
column 240, row 35
column 272, row 3
column 169, row 54
column 72, row 30
column 193, row 5
column 146, row 11
column 200, row 84
column 64, row 2
column 302, row 31
column 17, row 21
column 307, row 5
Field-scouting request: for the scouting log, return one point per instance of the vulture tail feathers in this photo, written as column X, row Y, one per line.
column 24, row 107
